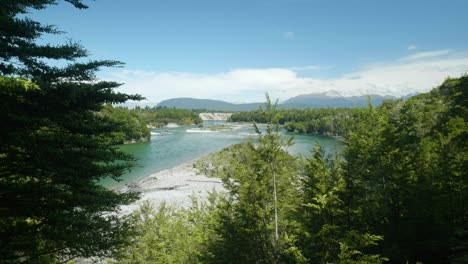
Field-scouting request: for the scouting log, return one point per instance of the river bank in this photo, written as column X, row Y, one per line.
column 173, row 186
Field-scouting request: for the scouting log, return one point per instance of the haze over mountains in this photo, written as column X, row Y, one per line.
column 330, row 99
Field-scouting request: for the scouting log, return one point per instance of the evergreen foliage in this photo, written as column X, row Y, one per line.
column 171, row 235
column 327, row 236
column 323, row 121
column 408, row 162
column 161, row 116
column 397, row 193
column 254, row 225
column 131, row 126
column 54, row 147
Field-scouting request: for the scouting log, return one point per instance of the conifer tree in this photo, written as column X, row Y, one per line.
column 327, row 237
column 262, row 185
column 406, row 165
column 54, row 148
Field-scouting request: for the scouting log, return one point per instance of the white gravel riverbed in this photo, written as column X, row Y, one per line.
column 174, row 186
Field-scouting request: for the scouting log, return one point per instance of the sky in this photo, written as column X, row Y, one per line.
column 238, row 50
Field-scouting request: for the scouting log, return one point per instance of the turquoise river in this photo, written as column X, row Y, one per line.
column 173, row 146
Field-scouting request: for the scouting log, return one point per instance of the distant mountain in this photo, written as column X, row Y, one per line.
column 333, row 99
column 207, row 104
column 330, row 99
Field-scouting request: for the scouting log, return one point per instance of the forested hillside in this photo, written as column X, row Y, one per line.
column 161, row 116
column 132, row 125
column 398, row 193
column 330, row 99
column 333, row 99
column 206, row 105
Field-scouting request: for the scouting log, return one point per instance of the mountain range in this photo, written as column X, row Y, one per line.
column 207, row 104
column 330, row 99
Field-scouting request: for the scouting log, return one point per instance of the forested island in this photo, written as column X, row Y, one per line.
column 397, row 193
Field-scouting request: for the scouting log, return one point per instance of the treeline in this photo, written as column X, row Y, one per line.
column 321, row 121
column 398, row 193
column 133, row 124
column 130, row 126
column 161, row 116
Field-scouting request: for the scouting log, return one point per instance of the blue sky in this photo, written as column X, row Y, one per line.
column 238, row 50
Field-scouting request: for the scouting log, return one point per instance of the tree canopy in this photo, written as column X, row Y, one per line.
column 321, row 121
column 397, row 193
column 54, row 146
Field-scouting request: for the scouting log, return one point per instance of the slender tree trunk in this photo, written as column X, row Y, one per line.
column 276, row 208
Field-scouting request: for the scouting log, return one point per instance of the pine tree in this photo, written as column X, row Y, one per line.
column 54, row 148
column 262, row 184
column 406, row 170
column 327, row 237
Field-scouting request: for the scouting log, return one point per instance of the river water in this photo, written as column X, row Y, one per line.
column 173, row 146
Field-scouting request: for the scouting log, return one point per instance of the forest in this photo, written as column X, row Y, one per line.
column 397, row 193
column 161, row 116
column 319, row 121
column 132, row 125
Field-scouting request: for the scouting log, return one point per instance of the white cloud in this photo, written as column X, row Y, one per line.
column 412, row 47
column 309, row 68
column 426, row 55
column 249, row 85
column 289, row 35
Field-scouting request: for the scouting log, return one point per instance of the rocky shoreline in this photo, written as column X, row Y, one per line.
column 173, row 186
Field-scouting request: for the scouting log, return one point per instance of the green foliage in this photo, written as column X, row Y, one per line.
column 407, row 162
column 399, row 190
column 323, row 121
column 403, row 176
column 54, row 147
column 11, row 86
column 349, row 253
column 171, row 235
column 131, row 126
column 219, row 164
column 161, row 116
column 327, row 236
column 254, row 226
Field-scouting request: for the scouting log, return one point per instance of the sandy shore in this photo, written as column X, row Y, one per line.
column 174, row 186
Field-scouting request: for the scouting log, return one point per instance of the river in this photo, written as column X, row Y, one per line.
column 173, row 146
